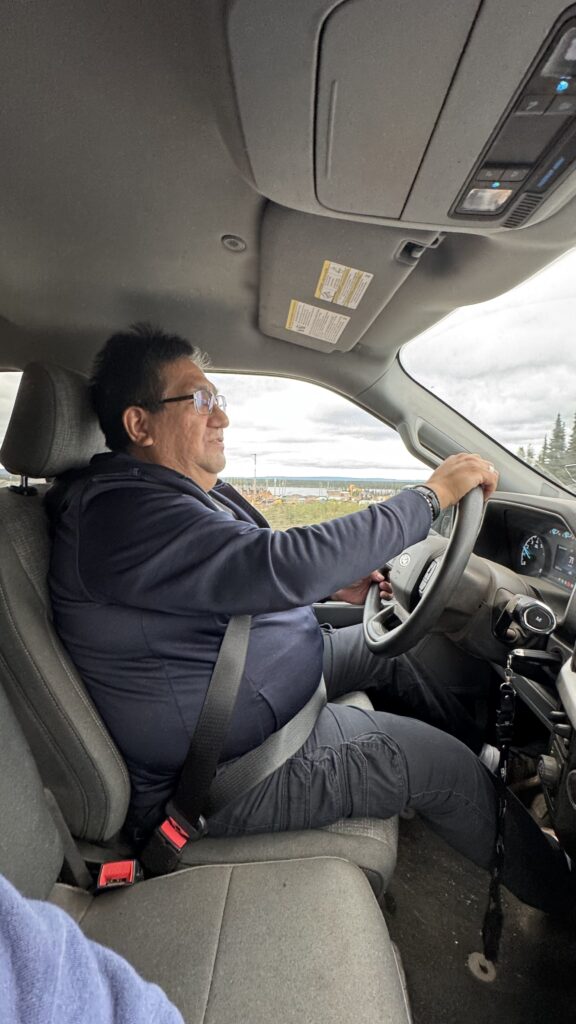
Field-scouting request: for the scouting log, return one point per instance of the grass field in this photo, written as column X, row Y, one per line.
column 283, row 514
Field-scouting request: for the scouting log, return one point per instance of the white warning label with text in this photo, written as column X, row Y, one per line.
column 315, row 322
column 344, row 286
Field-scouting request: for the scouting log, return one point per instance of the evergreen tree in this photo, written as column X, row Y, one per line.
column 571, row 448
column 557, row 447
column 555, row 454
column 569, row 474
column 543, row 459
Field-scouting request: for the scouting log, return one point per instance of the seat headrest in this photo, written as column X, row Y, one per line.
column 53, row 426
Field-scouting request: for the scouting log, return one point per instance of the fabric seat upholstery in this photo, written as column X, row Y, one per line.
column 285, row 941
column 76, row 756
column 255, row 942
column 52, row 429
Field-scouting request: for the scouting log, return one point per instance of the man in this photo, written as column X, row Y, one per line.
column 152, row 555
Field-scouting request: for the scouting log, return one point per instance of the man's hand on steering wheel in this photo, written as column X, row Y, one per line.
column 450, row 482
column 356, row 593
column 459, row 474
column 466, row 480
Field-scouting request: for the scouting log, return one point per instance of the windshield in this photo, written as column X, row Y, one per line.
column 509, row 365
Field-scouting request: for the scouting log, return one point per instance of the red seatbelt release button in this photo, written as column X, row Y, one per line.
column 174, row 833
column 118, row 873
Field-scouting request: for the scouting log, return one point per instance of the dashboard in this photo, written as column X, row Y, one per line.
column 524, row 563
column 532, row 541
column 535, row 537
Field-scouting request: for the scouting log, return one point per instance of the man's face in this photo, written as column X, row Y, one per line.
column 177, row 435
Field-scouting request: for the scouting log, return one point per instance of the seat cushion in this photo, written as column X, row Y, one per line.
column 291, row 942
column 367, row 842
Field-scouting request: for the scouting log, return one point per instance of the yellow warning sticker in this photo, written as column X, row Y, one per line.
column 315, row 322
column 344, row 286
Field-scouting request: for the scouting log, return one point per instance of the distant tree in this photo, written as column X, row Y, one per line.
column 543, row 458
column 556, row 453
column 571, row 447
column 569, row 475
column 557, row 446
column 527, row 454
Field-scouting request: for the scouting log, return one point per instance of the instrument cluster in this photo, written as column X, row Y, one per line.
column 549, row 554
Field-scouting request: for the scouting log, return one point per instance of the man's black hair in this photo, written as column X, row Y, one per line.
column 128, row 371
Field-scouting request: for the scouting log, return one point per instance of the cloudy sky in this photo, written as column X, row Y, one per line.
column 509, row 365
column 298, row 429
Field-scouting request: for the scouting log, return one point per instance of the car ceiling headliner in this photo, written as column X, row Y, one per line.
column 117, row 188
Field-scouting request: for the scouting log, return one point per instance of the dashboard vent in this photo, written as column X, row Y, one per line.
column 525, row 207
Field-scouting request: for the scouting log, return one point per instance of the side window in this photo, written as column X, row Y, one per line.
column 302, row 454
column 8, row 387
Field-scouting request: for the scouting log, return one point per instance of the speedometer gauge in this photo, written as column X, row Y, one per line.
column 533, row 555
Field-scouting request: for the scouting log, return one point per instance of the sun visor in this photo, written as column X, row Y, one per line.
column 324, row 281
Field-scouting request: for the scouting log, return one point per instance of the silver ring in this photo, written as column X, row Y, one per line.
column 491, row 467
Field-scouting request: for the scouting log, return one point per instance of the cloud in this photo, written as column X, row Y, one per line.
column 296, row 428
column 509, row 364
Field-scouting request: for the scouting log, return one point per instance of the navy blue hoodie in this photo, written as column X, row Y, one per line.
column 147, row 568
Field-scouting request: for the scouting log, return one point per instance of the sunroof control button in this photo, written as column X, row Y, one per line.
column 489, row 173
column 515, row 173
column 533, row 104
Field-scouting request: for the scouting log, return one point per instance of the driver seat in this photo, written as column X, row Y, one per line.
column 53, row 429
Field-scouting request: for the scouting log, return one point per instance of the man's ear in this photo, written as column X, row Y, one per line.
column 138, row 426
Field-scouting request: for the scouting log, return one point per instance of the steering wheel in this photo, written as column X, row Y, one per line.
column 429, row 569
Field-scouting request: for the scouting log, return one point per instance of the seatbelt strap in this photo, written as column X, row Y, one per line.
column 201, row 790
column 74, row 869
column 236, row 777
column 212, row 729
column 184, row 812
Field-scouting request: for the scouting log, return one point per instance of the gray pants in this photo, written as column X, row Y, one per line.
column 374, row 764
column 404, row 686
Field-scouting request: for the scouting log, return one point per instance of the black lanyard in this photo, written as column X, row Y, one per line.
column 493, row 918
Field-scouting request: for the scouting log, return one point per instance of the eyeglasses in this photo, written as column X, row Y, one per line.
column 204, row 401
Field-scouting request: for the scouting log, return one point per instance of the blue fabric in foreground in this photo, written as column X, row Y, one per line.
column 51, row 974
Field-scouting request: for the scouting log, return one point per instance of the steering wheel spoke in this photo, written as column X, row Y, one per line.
column 381, row 622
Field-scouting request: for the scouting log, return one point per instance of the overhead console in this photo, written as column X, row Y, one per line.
column 534, row 146
column 428, row 113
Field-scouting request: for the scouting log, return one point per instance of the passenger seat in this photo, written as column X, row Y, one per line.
column 288, row 941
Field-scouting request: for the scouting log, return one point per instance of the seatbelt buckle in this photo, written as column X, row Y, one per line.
column 117, row 874
column 173, row 833
column 178, row 831
column 163, row 852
